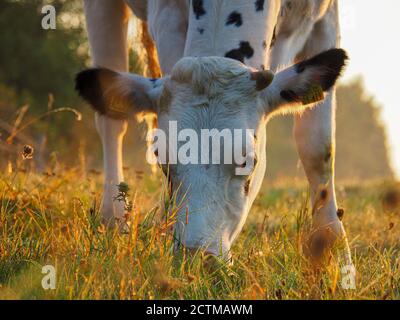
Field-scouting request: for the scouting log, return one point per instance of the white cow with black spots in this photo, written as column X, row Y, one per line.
column 213, row 54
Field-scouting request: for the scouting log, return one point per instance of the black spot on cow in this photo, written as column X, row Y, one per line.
column 198, row 8
column 324, row 194
column 260, row 5
column 244, row 51
column 332, row 63
column 340, row 214
column 235, row 18
column 200, row 30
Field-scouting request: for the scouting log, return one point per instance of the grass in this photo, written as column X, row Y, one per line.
column 52, row 219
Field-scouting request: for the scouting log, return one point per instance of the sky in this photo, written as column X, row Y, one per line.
column 371, row 36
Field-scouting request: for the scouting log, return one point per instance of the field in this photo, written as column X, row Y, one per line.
column 52, row 219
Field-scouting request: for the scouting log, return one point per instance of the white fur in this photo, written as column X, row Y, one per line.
column 303, row 28
column 215, row 93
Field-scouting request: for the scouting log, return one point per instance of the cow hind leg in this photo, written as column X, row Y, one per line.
column 107, row 24
column 314, row 133
column 315, row 138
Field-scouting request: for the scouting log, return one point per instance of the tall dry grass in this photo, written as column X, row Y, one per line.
column 53, row 219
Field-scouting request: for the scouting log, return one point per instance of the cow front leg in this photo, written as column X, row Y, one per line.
column 112, row 133
column 107, row 25
column 315, row 138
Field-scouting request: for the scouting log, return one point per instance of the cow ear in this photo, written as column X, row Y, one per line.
column 118, row 95
column 304, row 84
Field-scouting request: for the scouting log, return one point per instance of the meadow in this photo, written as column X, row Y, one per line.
column 52, row 218
column 49, row 213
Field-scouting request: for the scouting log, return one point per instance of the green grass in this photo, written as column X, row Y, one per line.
column 53, row 220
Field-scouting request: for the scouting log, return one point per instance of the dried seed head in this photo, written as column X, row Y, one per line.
column 27, row 152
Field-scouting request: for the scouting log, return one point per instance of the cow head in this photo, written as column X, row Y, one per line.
column 217, row 99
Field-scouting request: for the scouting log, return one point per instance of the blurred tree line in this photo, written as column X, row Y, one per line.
column 37, row 66
column 37, row 69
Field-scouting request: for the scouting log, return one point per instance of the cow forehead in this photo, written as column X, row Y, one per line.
column 207, row 75
column 200, row 112
column 210, row 117
column 208, row 87
column 212, row 66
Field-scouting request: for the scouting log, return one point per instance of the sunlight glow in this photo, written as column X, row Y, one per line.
column 370, row 33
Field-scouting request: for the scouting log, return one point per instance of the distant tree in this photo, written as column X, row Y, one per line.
column 282, row 159
column 362, row 149
column 36, row 62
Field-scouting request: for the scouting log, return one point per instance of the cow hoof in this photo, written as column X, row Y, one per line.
column 318, row 245
column 324, row 241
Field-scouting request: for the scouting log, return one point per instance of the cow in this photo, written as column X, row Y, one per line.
column 218, row 60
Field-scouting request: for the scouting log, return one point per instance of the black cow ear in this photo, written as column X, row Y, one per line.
column 117, row 95
column 91, row 83
column 331, row 63
column 303, row 85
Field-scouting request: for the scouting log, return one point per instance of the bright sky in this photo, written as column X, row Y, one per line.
column 371, row 35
